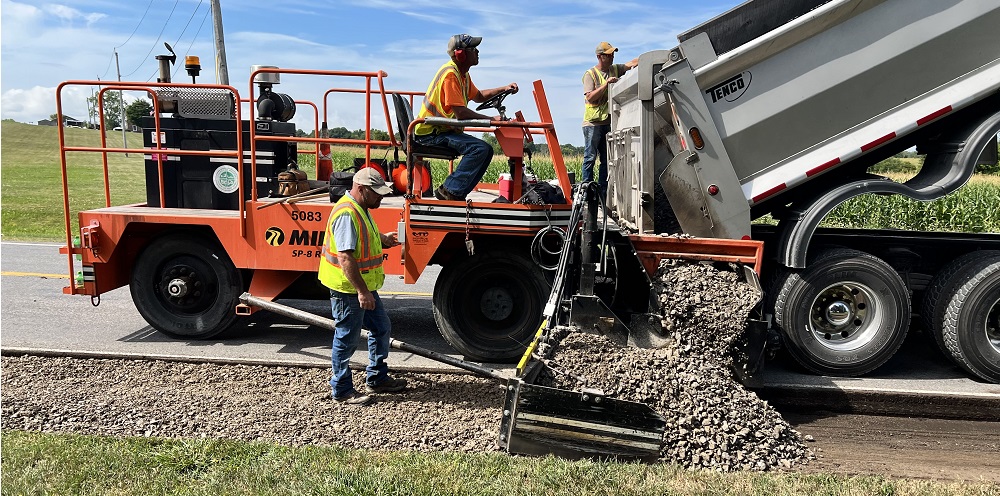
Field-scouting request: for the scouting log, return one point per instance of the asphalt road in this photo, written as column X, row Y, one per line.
column 35, row 314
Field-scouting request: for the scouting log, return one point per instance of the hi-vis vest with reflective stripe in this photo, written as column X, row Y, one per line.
column 599, row 112
column 368, row 252
column 433, row 107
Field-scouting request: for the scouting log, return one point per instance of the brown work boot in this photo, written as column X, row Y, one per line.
column 354, row 398
column 442, row 194
column 389, row 385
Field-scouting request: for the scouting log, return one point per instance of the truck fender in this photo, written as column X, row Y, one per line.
column 946, row 168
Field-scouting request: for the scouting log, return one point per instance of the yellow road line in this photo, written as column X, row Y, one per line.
column 34, row 274
column 64, row 276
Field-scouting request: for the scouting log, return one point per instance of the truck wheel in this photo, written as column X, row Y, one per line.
column 970, row 318
column 185, row 287
column 931, row 310
column 488, row 306
column 846, row 314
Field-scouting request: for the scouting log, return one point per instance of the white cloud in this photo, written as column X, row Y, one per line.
column 39, row 102
column 69, row 14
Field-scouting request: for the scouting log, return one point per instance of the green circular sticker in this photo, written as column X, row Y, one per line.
column 225, row 179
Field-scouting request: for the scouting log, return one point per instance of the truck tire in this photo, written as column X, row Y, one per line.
column 969, row 322
column 488, row 306
column 186, row 287
column 846, row 314
column 931, row 310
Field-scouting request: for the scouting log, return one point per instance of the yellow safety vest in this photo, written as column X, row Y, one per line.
column 368, row 252
column 599, row 112
column 433, row 107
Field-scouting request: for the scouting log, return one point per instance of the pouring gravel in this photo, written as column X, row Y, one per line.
column 713, row 422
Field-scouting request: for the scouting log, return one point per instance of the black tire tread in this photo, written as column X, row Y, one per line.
column 787, row 280
column 950, row 305
column 188, row 243
column 931, row 310
column 443, row 288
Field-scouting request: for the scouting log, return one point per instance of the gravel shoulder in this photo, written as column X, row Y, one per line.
column 442, row 412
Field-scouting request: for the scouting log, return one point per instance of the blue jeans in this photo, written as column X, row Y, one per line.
column 595, row 143
column 476, row 156
column 349, row 318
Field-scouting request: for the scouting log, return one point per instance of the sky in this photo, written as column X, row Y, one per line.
column 46, row 43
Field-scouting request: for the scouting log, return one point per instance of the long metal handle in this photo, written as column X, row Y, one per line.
column 316, row 320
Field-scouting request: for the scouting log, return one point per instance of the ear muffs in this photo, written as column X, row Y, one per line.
column 460, row 55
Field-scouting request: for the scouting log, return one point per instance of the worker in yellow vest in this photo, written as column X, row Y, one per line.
column 351, row 266
column 596, row 111
column 448, row 96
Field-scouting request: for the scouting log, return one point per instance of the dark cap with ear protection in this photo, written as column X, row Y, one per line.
column 463, row 41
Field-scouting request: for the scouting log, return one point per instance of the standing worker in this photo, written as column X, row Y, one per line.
column 351, row 267
column 448, row 96
column 596, row 114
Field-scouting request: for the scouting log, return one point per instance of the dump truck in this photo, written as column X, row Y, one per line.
column 780, row 109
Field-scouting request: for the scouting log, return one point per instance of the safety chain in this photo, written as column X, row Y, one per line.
column 468, row 228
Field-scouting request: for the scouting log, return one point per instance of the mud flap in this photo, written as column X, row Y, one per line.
column 683, row 187
column 539, row 420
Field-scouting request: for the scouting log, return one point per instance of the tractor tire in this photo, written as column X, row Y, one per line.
column 846, row 314
column 488, row 306
column 969, row 318
column 186, row 287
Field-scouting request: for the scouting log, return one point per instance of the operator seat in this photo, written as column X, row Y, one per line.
column 404, row 116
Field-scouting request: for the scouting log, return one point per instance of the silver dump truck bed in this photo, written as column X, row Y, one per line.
column 783, row 92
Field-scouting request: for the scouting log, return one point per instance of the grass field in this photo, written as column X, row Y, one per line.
column 36, row 463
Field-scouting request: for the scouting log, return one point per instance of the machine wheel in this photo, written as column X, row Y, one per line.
column 846, row 314
column 488, row 306
column 970, row 318
column 186, row 287
column 932, row 311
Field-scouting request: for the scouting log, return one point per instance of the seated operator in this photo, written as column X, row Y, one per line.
column 448, row 96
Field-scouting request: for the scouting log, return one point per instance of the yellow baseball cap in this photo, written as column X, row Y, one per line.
column 605, row 48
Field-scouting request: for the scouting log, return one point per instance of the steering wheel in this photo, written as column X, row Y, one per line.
column 496, row 101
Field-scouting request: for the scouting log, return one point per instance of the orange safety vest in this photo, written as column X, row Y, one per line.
column 368, row 252
column 433, row 107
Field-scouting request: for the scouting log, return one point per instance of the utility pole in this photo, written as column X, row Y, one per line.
column 121, row 103
column 221, row 69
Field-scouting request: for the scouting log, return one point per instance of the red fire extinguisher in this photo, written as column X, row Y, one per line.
column 324, row 163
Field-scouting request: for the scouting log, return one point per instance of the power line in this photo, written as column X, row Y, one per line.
column 190, row 45
column 193, row 13
column 185, row 30
column 165, row 23
column 150, row 4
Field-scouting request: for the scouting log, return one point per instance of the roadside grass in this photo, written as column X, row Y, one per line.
column 45, row 463
column 31, row 190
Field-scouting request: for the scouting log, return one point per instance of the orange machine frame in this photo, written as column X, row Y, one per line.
column 282, row 242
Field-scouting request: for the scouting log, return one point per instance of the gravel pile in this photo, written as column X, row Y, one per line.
column 713, row 422
column 291, row 406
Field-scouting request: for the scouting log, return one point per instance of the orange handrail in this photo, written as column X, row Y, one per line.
column 104, row 149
